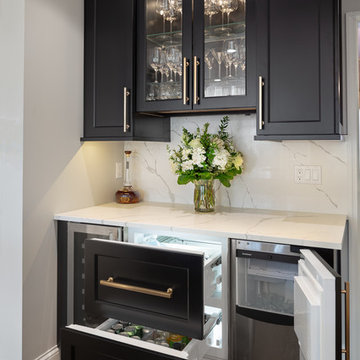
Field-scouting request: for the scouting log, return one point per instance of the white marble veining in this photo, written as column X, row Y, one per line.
column 268, row 181
column 296, row 228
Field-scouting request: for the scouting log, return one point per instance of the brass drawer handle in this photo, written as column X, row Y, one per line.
column 185, row 66
column 126, row 94
column 260, row 108
column 346, row 292
column 196, row 64
column 110, row 283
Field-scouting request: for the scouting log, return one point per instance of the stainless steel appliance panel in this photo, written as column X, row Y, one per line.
column 262, row 301
column 77, row 234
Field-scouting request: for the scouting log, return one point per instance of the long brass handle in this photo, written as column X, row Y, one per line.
column 260, row 105
column 185, row 66
column 126, row 94
column 346, row 292
column 110, row 283
column 196, row 64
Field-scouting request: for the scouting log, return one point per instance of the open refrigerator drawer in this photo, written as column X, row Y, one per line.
column 150, row 339
column 159, row 282
column 129, row 280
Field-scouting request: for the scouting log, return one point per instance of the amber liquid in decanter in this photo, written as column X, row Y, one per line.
column 127, row 195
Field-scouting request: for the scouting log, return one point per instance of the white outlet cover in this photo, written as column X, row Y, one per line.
column 308, row 174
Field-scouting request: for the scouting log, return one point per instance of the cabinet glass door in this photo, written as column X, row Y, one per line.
column 223, row 46
column 164, row 49
column 163, row 53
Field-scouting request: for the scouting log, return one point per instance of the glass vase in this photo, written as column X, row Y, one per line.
column 204, row 196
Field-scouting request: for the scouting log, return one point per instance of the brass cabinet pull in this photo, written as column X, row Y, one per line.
column 126, row 94
column 185, row 66
column 110, row 283
column 346, row 292
column 260, row 105
column 196, row 64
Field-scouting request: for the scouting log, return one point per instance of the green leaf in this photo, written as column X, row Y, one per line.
column 232, row 172
column 205, row 176
column 224, row 179
column 184, row 179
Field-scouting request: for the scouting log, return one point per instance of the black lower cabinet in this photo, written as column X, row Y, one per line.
column 80, row 346
column 298, row 69
column 109, row 77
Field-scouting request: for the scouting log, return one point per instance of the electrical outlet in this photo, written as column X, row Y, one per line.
column 118, row 170
column 308, row 174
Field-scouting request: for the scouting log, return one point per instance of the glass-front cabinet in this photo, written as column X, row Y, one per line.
column 195, row 55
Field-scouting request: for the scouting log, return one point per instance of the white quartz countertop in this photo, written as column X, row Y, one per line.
column 294, row 228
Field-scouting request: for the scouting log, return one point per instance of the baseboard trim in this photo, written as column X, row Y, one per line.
column 51, row 354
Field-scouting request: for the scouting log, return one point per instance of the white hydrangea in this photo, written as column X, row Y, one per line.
column 221, row 159
column 198, row 156
column 185, row 154
column 195, row 143
column 187, row 165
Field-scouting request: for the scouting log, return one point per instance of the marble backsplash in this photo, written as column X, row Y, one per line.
column 268, row 180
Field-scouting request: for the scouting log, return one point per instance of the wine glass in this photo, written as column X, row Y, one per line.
column 161, row 7
column 210, row 9
column 226, row 7
column 172, row 55
column 232, row 6
column 242, row 54
column 236, row 62
column 178, row 7
column 154, row 60
column 163, row 66
column 179, row 65
column 230, row 48
column 218, row 56
column 172, row 11
column 177, row 62
column 209, row 59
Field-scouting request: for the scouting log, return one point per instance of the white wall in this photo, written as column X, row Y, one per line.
column 268, row 180
column 59, row 173
column 11, row 160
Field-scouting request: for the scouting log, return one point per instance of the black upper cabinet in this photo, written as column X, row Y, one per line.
column 298, row 69
column 194, row 58
column 109, row 76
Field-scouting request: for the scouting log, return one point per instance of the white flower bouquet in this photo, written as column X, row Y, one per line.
column 204, row 156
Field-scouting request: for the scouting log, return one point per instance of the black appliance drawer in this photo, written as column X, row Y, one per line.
column 79, row 342
column 130, row 282
column 76, row 345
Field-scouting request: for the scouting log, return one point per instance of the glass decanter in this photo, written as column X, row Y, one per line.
column 127, row 195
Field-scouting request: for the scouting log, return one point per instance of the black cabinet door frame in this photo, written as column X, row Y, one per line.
column 162, row 105
column 108, row 67
column 241, row 102
column 301, row 94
